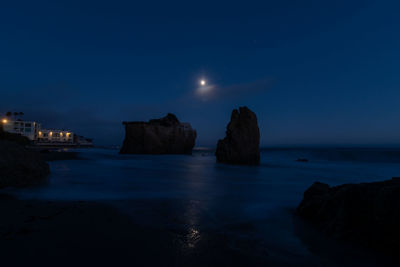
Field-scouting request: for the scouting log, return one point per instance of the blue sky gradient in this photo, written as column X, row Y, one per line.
column 315, row 72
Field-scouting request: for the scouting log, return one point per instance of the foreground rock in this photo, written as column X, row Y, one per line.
column 242, row 141
column 19, row 166
column 367, row 213
column 16, row 138
column 160, row 136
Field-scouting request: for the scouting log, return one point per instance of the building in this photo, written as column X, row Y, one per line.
column 44, row 137
column 29, row 129
column 55, row 136
column 34, row 132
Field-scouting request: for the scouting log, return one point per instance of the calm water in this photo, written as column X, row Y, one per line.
column 197, row 199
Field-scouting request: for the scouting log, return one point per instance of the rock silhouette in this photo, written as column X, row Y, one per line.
column 20, row 167
column 366, row 213
column 158, row 136
column 242, row 140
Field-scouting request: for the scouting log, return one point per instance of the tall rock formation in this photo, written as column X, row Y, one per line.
column 159, row 136
column 242, row 140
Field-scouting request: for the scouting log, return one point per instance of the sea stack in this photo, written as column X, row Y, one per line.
column 242, row 140
column 366, row 213
column 158, row 136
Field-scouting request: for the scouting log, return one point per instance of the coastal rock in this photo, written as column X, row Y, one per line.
column 19, row 166
column 242, row 140
column 16, row 138
column 159, row 136
column 366, row 213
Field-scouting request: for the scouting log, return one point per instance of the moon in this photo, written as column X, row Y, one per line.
column 204, row 90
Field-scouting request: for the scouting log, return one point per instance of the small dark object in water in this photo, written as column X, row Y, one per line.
column 301, row 160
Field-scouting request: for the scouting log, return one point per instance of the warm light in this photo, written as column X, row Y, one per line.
column 51, row 133
column 61, row 134
column 40, row 133
column 203, row 82
column 4, row 121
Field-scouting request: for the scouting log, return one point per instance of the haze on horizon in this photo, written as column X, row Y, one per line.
column 327, row 74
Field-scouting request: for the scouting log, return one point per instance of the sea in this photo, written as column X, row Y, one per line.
column 250, row 208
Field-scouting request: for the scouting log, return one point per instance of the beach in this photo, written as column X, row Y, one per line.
column 79, row 232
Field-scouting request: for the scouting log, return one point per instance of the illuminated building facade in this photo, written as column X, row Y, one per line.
column 55, row 136
column 33, row 131
column 29, row 129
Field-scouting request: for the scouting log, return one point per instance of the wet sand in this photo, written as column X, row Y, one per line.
column 48, row 233
column 68, row 233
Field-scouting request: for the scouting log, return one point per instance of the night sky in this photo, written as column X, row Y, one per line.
column 315, row 72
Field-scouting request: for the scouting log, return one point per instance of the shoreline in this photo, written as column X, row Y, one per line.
column 45, row 232
column 182, row 230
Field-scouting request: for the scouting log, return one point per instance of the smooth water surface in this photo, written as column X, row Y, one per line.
column 197, row 199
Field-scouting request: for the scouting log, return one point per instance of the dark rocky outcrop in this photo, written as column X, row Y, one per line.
column 19, row 166
column 366, row 213
column 242, row 140
column 159, row 136
column 16, row 138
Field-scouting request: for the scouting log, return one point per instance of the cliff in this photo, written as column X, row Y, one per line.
column 158, row 136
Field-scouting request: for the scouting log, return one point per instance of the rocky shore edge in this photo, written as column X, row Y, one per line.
column 20, row 166
column 367, row 214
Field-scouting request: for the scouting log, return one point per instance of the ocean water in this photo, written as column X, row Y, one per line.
column 251, row 208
